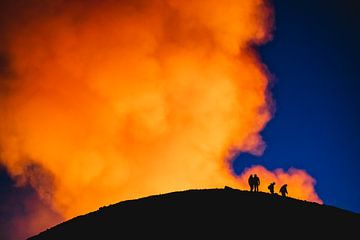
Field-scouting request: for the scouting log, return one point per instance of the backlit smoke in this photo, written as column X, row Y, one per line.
column 123, row 99
column 300, row 184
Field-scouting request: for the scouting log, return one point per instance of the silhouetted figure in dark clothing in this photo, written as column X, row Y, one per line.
column 271, row 187
column 256, row 183
column 283, row 190
column 251, row 182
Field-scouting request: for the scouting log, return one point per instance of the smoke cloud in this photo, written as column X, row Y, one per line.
column 300, row 183
column 121, row 99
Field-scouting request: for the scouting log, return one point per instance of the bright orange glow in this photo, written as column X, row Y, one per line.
column 300, row 184
column 123, row 99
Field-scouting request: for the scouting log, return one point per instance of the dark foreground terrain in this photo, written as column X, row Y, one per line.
column 210, row 214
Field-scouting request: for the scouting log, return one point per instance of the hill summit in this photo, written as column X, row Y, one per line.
column 201, row 213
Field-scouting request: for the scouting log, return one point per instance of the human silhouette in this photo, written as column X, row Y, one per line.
column 256, row 183
column 271, row 187
column 283, row 190
column 251, row 182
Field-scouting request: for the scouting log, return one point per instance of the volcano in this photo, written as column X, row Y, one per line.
column 226, row 213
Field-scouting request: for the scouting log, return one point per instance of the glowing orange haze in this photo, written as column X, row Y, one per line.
column 123, row 99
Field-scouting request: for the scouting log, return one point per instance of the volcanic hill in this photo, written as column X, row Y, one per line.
column 209, row 213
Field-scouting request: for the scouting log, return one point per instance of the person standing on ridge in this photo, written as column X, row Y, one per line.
column 256, row 183
column 271, row 187
column 283, row 190
column 251, row 182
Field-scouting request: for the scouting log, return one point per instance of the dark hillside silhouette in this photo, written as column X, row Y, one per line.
column 207, row 213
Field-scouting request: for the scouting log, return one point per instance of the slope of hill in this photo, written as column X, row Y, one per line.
column 225, row 213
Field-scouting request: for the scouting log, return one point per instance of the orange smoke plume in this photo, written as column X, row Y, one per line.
column 122, row 99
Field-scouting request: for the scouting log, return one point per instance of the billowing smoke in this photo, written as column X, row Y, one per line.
column 121, row 99
column 300, row 184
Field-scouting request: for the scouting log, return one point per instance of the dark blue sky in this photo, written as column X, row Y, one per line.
column 314, row 57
